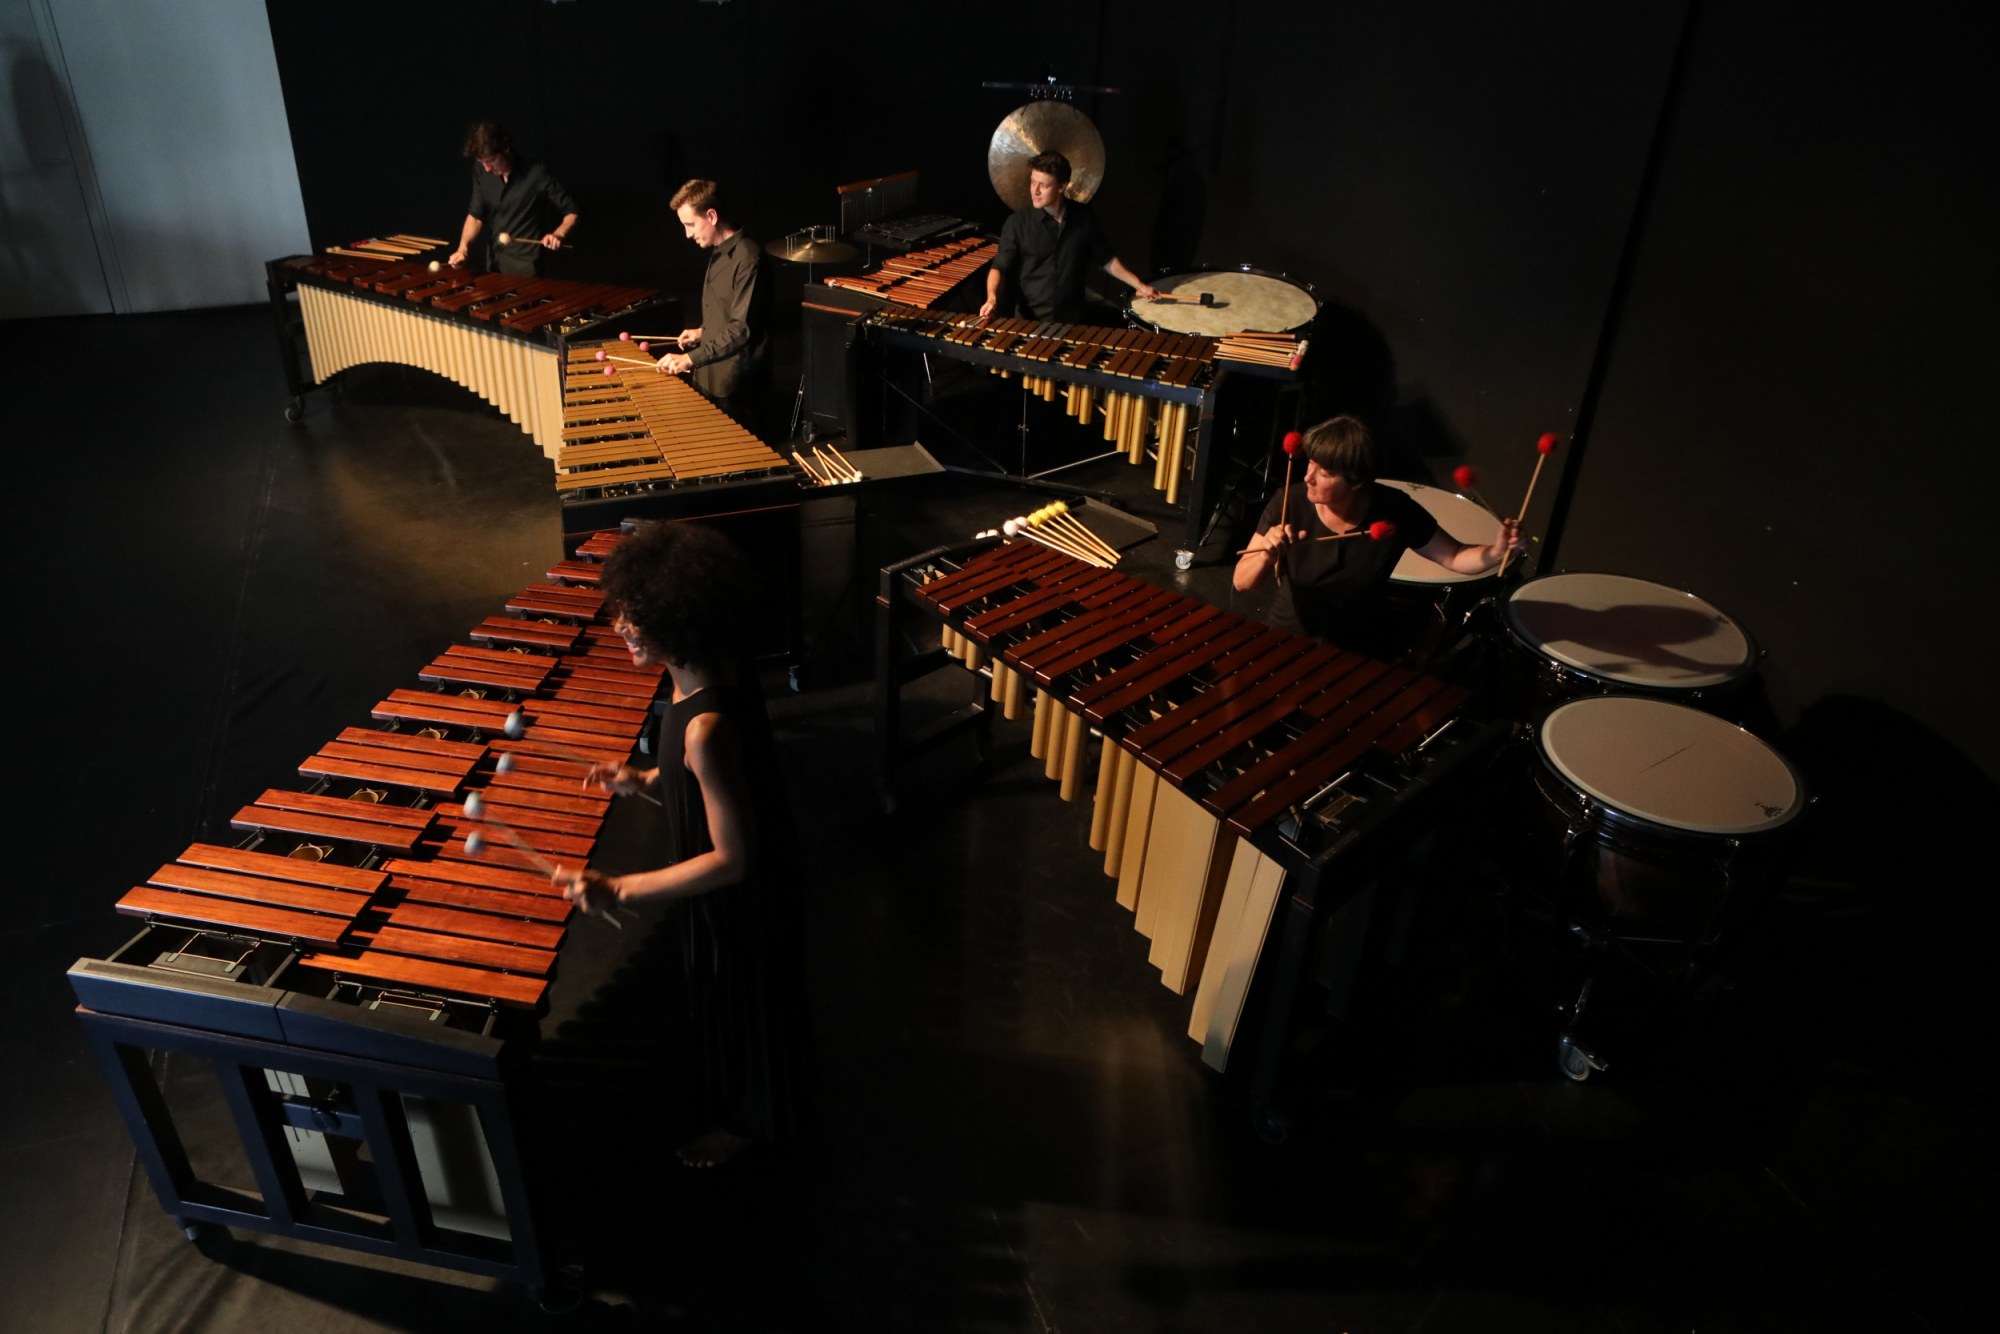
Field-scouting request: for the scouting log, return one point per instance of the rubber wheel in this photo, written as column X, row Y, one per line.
column 295, row 412
column 1183, row 560
column 1571, row 1061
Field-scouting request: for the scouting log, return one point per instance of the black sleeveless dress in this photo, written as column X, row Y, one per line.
column 743, row 945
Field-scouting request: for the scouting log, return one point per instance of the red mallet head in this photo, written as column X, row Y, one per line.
column 1547, row 444
column 1466, row 476
column 1292, row 442
column 1381, row 530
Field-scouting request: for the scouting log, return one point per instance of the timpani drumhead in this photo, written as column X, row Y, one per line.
column 1670, row 765
column 1244, row 301
column 1467, row 520
column 1630, row 632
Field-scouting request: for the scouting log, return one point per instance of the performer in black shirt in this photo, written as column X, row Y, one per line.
column 1048, row 248
column 514, row 196
column 726, row 353
column 1333, row 589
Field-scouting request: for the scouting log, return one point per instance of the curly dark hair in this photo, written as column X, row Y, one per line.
column 685, row 587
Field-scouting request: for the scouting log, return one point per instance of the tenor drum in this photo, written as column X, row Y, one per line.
column 1245, row 299
column 1592, row 633
column 1668, row 823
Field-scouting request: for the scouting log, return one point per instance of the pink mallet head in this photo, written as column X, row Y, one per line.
column 625, row 336
column 602, row 355
column 611, row 370
column 645, row 347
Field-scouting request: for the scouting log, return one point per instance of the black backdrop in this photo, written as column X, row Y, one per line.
column 1792, row 421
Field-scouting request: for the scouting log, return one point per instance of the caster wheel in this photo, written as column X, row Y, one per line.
column 211, row 1239
column 295, row 411
column 1272, row 1126
column 1577, row 1062
column 1183, row 559
column 559, row 1299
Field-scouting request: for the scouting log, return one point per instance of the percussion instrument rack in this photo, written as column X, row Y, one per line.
column 493, row 333
column 361, row 978
column 1239, row 765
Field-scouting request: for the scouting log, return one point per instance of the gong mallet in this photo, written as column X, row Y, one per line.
column 1544, row 447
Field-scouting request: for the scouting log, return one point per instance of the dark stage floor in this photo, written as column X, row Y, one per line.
column 1014, row 1132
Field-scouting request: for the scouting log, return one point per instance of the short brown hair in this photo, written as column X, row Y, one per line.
column 1051, row 164
column 1342, row 445
column 486, row 139
column 701, row 196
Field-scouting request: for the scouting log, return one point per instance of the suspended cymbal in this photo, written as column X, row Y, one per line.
column 808, row 251
column 1044, row 127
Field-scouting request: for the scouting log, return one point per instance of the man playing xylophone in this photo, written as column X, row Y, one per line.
column 677, row 591
column 517, row 199
column 1048, row 248
column 1338, row 536
column 726, row 353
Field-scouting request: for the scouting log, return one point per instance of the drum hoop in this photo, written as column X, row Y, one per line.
column 1734, row 679
column 1608, row 813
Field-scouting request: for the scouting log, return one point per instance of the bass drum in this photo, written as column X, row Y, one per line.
column 1585, row 634
column 1243, row 299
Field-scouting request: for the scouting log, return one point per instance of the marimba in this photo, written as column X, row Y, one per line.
column 1237, row 763
column 360, row 981
column 499, row 335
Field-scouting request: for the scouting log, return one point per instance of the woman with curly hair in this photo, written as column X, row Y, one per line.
column 677, row 593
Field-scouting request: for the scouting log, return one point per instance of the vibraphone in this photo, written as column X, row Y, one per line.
column 361, row 984
column 1239, row 765
column 499, row 335
column 923, row 277
column 1155, row 391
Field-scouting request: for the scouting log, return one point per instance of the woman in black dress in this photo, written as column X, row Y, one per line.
column 677, row 593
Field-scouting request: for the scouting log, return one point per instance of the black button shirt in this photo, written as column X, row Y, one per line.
column 1047, row 262
column 527, row 205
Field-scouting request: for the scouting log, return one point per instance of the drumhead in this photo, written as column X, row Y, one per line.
column 1670, row 765
column 1244, row 300
column 1630, row 632
column 1465, row 519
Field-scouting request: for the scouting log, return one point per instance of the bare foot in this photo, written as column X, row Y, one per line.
column 713, row 1149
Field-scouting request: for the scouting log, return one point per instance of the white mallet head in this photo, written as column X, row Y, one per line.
column 475, row 806
column 517, row 725
column 434, row 266
column 504, row 765
column 475, row 843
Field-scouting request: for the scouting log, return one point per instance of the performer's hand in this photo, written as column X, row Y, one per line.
column 986, row 311
column 1510, row 539
column 590, row 890
column 457, row 260
column 617, row 778
column 676, row 363
column 552, row 242
column 1277, row 537
column 688, row 338
column 1146, row 291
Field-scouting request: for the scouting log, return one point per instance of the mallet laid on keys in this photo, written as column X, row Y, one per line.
column 475, row 845
column 516, row 727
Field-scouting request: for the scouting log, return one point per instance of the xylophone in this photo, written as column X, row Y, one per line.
column 359, row 972
column 922, row 277
column 1237, row 761
column 499, row 335
column 1155, row 391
